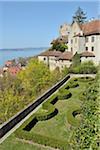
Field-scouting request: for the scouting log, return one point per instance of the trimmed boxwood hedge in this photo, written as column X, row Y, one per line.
column 42, row 139
column 73, row 84
column 64, row 94
column 85, row 79
column 70, row 117
column 49, row 107
column 51, row 111
column 38, row 138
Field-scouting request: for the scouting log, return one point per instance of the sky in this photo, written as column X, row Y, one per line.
column 36, row 23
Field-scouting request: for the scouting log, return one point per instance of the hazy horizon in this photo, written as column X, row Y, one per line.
column 36, row 23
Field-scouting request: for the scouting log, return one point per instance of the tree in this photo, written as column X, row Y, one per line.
column 76, row 60
column 59, row 46
column 80, row 16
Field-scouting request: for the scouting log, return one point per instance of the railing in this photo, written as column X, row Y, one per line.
column 7, row 126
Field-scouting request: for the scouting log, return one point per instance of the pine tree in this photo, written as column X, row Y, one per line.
column 80, row 16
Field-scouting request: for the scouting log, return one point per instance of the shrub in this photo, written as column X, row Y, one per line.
column 47, row 115
column 38, row 138
column 67, row 87
column 73, row 84
column 49, row 109
column 41, row 139
column 86, row 136
column 70, row 117
column 85, row 79
column 64, row 94
column 83, row 68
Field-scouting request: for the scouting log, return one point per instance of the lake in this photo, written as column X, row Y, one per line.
column 8, row 54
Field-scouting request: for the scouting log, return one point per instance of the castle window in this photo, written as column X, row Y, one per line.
column 86, row 48
column 92, row 48
column 92, row 39
column 86, row 39
column 71, row 41
column 71, row 49
column 44, row 58
column 75, row 40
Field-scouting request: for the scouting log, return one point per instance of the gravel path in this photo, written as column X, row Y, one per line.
column 36, row 144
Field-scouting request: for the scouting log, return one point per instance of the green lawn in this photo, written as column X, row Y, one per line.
column 12, row 143
column 57, row 127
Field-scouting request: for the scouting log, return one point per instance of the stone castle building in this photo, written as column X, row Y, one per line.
column 81, row 38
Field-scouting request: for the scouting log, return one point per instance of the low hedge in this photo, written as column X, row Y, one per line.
column 73, row 84
column 85, row 79
column 64, row 94
column 42, row 139
column 49, row 109
column 70, row 117
column 38, row 138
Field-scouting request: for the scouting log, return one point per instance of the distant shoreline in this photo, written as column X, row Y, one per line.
column 10, row 54
column 18, row 49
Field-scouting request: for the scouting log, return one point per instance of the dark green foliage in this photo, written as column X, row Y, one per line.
column 76, row 60
column 64, row 94
column 73, row 84
column 87, row 136
column 80, row 16
column 84, row 68
column 18, row 91
column 49, row 109
column 70, row 117
column 85, row 79
column 59, row 46
column 38, row 138
column 45, row 140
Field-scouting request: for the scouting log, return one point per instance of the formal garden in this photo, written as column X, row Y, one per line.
column 55, row 123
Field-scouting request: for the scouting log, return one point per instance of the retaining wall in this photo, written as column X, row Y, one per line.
column 7, row 126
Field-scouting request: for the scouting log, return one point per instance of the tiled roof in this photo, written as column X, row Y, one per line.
column 14, row 70
column 51, row 53
column 87, row 54
column 92, row 27
column 8, row 62
column 66, row 56
column 61, row 39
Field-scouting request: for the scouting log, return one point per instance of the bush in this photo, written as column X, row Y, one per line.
column 86, row 136
column 49, row 109
column 84, row 68
column 73, row 84
column 70, row 117
column 41, row 139
column 38, row 138
column 85, row 79
column 64, row 94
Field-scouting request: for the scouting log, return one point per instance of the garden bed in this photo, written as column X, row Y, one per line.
column 54, row 131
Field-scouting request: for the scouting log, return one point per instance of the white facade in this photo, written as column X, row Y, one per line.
column 64, row 29
column 53, row 62
column 44, row 59
column 83, row 59
column 78, row 42
column 50, row 61
column 81, row 40
column 73, row 40
column 92, row 44
column 63, row 63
